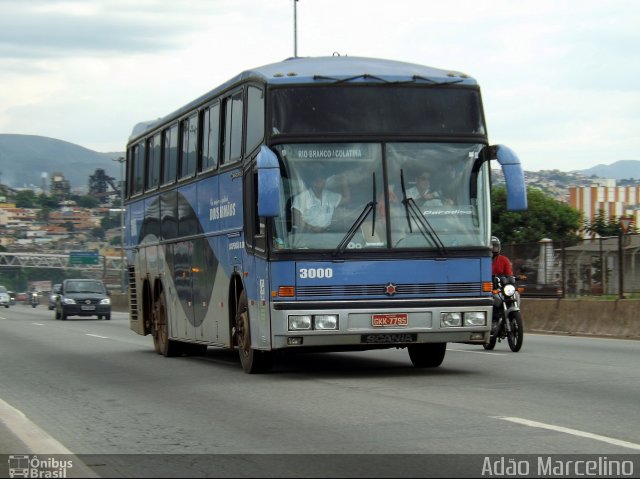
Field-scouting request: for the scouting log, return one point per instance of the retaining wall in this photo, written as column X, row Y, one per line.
column 619, row 318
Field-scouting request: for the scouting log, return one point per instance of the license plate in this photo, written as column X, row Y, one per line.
column 389, row 320
column 88, row 308
column 388, row 338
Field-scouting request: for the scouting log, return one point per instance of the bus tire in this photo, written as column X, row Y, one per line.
column 427, row 355
column 161, row 342
column 253, row 361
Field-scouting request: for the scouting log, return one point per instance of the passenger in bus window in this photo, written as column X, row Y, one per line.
column 313, row 208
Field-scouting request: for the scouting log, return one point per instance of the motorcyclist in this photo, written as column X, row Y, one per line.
column 500, row 264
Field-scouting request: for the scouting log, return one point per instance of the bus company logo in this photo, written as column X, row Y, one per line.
column 390, row 289
column 33, row 466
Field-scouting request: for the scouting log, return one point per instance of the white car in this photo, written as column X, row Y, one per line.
column 5, row 299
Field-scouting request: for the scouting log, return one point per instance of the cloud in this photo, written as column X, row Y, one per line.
column 53, row 29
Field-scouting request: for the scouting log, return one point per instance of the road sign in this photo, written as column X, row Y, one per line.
column 84, row 257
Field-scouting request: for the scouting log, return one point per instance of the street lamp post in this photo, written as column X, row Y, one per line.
column 121, row 160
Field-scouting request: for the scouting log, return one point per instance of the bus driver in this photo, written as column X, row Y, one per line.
column 313, row 209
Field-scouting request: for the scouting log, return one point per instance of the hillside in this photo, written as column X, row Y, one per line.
column 620, row 170
column 24, row 159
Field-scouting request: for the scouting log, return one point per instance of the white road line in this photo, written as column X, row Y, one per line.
column 574, row 432
column 474, row 352
column 97, row 336
column 37, row 324
column 36, row 440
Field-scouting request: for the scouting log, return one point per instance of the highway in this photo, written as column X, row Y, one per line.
column 94, row 388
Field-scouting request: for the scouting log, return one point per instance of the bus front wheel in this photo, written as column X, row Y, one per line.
column 427, row 355
column 253, row 361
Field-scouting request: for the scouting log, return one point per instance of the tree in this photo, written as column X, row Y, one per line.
column 545, row 218
column 26, row 199
column 88, row 201
column 605, row 227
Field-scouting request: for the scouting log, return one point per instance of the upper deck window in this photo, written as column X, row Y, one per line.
column 388, row 109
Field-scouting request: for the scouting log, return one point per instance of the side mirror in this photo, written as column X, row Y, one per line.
column 514, row 178
column 269, row 189
column 513, row 175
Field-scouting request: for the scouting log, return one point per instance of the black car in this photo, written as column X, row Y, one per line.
column 83, row 297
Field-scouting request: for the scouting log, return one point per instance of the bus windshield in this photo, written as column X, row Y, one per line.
column 350, row 196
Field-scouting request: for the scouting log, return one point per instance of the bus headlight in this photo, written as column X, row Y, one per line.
column 475, row 318
column 325, row 321
column 450, row 319
column 299, row 322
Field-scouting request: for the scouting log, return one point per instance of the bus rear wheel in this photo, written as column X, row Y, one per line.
column 253, row 361
column 427, row 355
column 161, row 342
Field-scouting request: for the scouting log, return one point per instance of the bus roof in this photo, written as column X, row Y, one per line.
column 323, row 70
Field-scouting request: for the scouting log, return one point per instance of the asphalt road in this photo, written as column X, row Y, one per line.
column 96, row 389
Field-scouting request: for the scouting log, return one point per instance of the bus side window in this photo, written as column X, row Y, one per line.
column 189, row 146
column 232, row 128
column 210, row 137
column 170, row 154
column 255, row 119
column 153, row 165
column 137, row 167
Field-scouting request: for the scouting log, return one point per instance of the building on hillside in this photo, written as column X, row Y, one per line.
column 81, row 218
column 604, row 195
column 59, row 186
column 13, row 217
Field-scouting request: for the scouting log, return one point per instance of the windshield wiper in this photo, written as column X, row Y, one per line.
column 412, row 211
column 369, row 207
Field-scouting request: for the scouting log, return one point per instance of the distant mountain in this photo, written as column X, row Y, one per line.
column 620, row 170
column 25, row 158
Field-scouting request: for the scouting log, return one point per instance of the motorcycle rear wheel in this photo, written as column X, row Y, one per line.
column 516, row 336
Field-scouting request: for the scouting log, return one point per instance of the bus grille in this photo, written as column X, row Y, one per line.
column 430, row 289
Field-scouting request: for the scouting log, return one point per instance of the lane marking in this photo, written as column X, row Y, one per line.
column 574, row 432
column 475, row 352
column 97, row 336
column 37, row 324
column 36, row 440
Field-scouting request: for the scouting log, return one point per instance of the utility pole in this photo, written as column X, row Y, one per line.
column 295, row 29
column 123, row 289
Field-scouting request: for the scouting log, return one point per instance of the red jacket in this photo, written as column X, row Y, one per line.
column 501, row 266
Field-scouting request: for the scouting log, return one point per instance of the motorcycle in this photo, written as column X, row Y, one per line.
column 507, row 320
column 34, row 300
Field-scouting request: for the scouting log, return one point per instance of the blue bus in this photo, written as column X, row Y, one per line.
column 286, row 211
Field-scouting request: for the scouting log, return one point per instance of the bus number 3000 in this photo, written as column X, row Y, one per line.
column 316, row 273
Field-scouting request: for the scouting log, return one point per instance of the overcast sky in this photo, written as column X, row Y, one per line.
column 560, row 79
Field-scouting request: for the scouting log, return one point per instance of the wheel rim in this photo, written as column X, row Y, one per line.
column 160, row 325
column 242, row 327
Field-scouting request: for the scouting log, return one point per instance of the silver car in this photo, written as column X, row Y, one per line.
column 5, row 299
column 53, row 296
